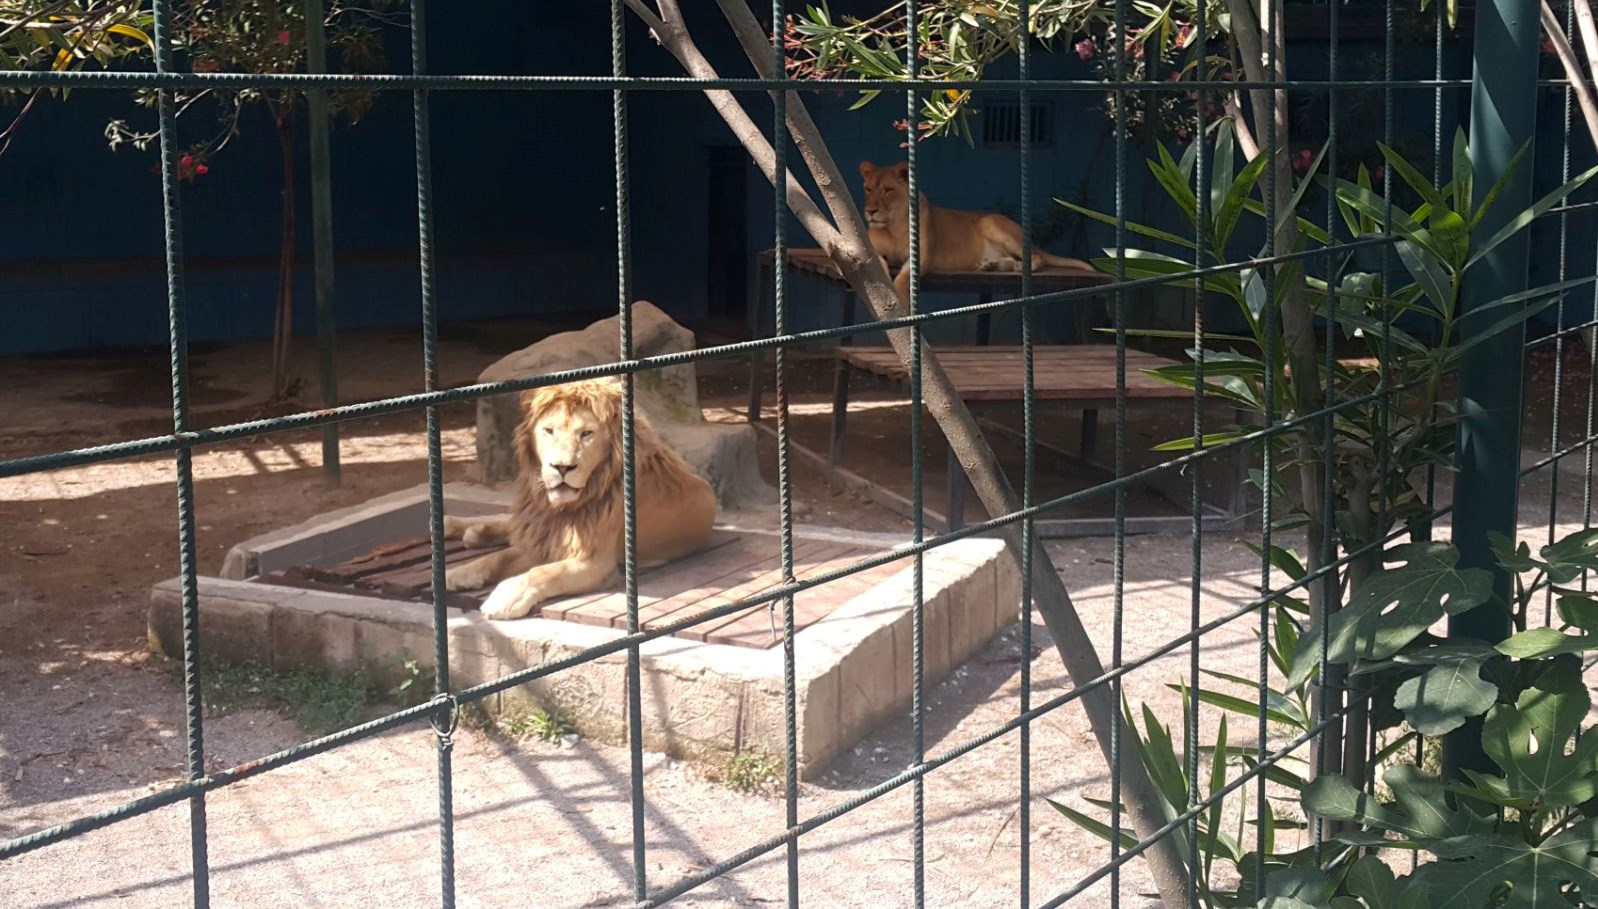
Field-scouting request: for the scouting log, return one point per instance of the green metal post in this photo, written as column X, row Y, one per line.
column 1503, row 115
column 322, row 229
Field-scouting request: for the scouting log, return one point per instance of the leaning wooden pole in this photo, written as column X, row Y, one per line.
column 844, row 237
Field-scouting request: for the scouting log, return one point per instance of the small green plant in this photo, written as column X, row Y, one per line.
column 750, row 771
column 549, row 725
column 318, row 700
column 414, row 684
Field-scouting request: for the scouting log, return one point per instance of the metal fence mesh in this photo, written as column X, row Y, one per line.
column 1571, row 320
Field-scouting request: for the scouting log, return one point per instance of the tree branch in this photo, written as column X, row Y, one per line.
column 1572, row 66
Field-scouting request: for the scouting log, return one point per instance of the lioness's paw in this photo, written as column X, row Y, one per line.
column 512, row 599
column 473, row 537
column 454, row 527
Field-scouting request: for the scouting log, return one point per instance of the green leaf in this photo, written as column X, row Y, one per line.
column 1281, row 559
column 1175, row 183
column 1422, row 186
column 1463, row 174
column 1514, row 558
column 1537, row 210
column 1471, row 868
column 1568, row 557
column 1208, row 440
column 1396, row 604
column 1141, row 229
column 1537, row 643
column 1441, row 699
column 1579, row 611
column 1498, row 185
column 1231, row 205
column 1528, row 742
column 1095, row 827
column 1431, row 275
column 1419, row 810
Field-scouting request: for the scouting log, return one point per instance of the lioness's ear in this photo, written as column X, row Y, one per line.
column 902, row 169
column 867, row 168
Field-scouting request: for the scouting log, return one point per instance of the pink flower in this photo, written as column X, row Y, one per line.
column 201, row 170
column 283, row 36
column 1378, row 174
column 1085, row 49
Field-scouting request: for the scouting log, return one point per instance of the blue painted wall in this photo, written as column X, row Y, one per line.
column 524, row 191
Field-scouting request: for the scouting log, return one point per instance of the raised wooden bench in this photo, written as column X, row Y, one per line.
column 1069, row 376
column 986, row 286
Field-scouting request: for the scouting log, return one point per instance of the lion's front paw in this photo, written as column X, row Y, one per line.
column 512, row 599
column 470, row 576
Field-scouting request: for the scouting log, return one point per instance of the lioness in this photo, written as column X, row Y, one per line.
column 951, row 240
column 565, row 533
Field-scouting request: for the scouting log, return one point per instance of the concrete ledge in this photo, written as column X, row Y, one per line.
column 700, row 701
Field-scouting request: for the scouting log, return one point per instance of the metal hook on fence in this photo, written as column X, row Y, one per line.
column 445, row 734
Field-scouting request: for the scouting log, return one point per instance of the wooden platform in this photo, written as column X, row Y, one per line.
column 813, row 261
column 1082, row 374
column 732, row 567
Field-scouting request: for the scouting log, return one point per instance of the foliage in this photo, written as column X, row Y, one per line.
column 959, row 40
column 1513, row 838
column 545, row 725
column 70, row 35
column 1388, row 427
column 261, row 36
column 318, row 700
column 750, row 771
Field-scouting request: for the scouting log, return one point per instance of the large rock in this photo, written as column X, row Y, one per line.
column 723, row 454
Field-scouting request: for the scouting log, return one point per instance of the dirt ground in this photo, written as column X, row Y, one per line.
column 88, row 720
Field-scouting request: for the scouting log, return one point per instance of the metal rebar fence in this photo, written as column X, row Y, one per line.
column 1338, row 734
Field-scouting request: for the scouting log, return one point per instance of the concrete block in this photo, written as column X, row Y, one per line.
column 705, row 702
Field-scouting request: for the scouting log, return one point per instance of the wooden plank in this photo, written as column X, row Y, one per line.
column 750, row 588
column 417, row 581
column 394, row 555
column 667, row 610
column 753, row 627
column 668, row 576
column 810, row 607
column 290, row 577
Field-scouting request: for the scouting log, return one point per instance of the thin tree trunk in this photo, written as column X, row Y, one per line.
column 1298, row 333
column 283, row 328
column 844, row 237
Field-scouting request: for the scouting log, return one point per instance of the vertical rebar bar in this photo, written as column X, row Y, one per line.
column 635, row 709
column 188, row 567
column 435, row 455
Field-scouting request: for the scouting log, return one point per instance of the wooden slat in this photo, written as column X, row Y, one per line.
column 752, row 627
column 816, row 261
column 731, row 567
column 610, row 610
column 749, row 588
column 1060, row 372
column 414, row 582
column 670, row 576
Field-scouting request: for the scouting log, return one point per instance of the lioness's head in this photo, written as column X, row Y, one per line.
column 887, row 193
column 573, row 433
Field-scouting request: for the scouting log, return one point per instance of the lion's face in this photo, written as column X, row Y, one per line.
column 571, row 445
column 887, row 193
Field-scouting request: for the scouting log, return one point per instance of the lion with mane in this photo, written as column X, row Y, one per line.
column 565, row 532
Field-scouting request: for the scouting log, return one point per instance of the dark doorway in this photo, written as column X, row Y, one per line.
column 727, row 237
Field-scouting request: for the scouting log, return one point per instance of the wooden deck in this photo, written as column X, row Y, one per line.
column 1068, row 373
column 734, row 566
